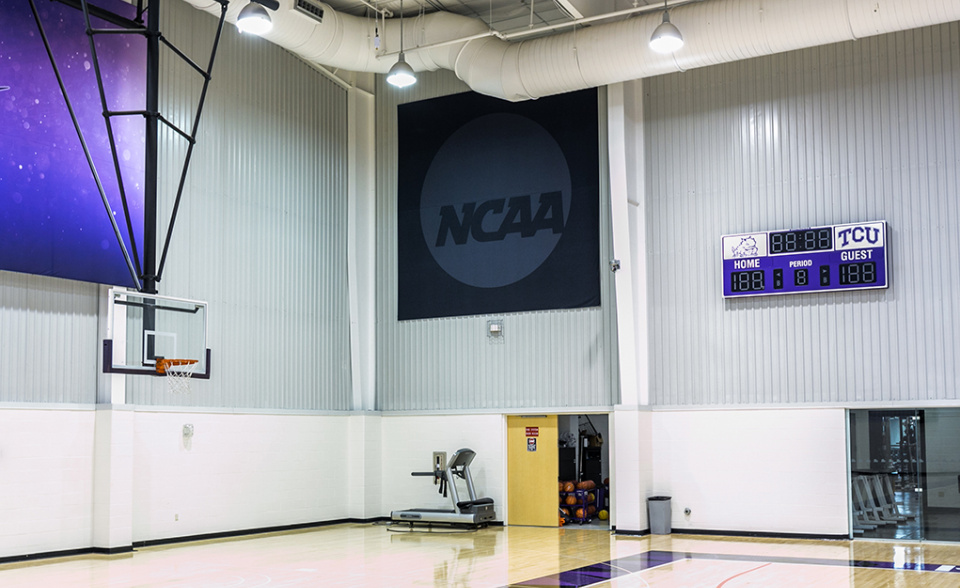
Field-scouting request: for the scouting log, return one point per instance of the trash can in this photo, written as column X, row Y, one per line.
column 658, row 511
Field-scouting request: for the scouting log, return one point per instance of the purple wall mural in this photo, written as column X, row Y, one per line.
column 52, row 219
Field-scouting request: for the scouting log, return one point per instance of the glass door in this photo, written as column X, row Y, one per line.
column 941, row 450
column 887, row 474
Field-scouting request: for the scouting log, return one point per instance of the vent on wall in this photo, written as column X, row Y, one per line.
column 314, row 11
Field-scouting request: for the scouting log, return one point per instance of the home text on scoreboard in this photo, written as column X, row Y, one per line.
column 798, row 261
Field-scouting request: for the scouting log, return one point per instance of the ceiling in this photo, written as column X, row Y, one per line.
column 504, row 16
column 531, row 52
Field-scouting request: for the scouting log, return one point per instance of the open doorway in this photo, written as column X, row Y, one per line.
column 584, row 469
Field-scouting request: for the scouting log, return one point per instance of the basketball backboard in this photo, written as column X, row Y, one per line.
column 144, row 327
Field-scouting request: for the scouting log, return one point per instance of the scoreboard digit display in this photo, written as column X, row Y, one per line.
column 798, row 261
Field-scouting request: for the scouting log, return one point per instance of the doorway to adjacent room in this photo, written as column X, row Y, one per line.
column 905, row 474
column 558, row 470
column 584, row 458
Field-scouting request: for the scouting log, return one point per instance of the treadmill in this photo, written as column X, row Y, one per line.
column 475, row 512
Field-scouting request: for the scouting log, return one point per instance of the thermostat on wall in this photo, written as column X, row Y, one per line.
column 800, row 261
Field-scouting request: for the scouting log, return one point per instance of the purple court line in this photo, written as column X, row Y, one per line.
column 624, row 566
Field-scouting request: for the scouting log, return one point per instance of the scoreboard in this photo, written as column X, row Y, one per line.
column 798, row 261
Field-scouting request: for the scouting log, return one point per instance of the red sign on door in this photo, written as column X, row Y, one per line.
column 533, row 431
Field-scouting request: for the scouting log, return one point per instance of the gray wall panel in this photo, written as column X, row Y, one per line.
column 261, row 232
column 48, row 340
column 859, row 131
column 547, row 359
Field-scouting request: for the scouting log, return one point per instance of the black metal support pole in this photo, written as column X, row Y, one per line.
column 183, row 56
column 150, row 182
column 152, row 149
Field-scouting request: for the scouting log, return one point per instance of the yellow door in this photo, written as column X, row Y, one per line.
column 532, row 465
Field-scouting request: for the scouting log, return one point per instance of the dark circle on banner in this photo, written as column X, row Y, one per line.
column 490, row 199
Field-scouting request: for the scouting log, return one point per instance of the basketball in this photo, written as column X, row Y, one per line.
column 571, row 500
column 569, row 487
column 565, row 511
column 603, row 515
column 561, row 486
column 591, row 497
column 591, row 510
column 580, row 513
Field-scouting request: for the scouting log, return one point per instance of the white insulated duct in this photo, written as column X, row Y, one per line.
column 715, row 31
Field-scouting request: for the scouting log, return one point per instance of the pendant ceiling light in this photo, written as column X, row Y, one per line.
column 254, row 18
column 401, row 74
column 666, row 37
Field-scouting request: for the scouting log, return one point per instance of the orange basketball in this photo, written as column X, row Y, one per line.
column 580, row 514
column 571, row 500
column 565, row 511
column 591, row 497
column 591, row 509
column 589, row 484
column 569, row 487
column 561, row 486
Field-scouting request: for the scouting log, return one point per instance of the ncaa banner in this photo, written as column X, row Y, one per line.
column 498, row 205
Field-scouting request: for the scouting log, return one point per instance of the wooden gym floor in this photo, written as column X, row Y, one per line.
column 358, row 555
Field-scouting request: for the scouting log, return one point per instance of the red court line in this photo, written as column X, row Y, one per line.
column 742, row 573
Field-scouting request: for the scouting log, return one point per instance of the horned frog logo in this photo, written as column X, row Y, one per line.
column 746, row 248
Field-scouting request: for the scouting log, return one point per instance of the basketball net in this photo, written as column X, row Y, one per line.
column 178, row 372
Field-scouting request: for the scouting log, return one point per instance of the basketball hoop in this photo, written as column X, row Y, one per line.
column 178, row 372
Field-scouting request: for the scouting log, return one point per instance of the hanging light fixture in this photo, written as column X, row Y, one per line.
column 401, row 74
column 666, row 37
column 254, row 18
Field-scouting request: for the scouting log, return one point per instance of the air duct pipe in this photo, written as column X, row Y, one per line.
column 715, row 31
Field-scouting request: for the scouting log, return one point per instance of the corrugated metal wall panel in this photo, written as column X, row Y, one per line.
column 48, row 340
column 859, row 131
column 261, row 233
column 546, row 359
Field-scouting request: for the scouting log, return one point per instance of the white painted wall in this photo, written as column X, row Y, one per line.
column 408, row 446
column 237, row 472
column 113, row 477
column 46, row 480
column 777, row 471
column 74, row 479
column 364, row 447
column 631, row 475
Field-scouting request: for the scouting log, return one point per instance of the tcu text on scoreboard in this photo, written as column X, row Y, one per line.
column 798, row 261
